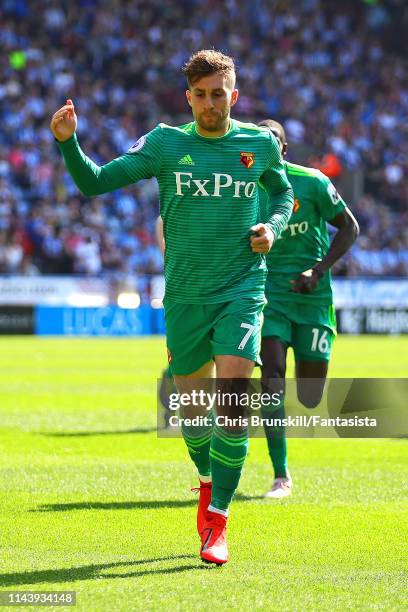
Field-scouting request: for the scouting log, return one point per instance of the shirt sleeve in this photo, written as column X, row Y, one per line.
column 329, row 201
column 142, row 161
column 279, row 190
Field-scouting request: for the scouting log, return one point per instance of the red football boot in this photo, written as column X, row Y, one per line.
column 204, row 499
column 213, row 539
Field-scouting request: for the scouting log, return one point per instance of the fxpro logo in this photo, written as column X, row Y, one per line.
column 293, row 229
column 212, row 187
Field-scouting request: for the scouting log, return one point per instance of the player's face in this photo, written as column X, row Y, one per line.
column 211, row 99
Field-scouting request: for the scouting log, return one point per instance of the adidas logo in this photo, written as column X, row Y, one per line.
column 186, row 161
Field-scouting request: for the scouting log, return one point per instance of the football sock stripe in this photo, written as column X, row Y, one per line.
column 226, row 465
column 198, row 441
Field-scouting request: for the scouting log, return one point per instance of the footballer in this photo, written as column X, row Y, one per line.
column 299, row 311
column 208, row 173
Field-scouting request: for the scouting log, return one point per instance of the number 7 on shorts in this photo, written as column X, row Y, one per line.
column 247, row 336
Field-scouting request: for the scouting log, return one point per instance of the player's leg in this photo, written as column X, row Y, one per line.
column 312, row 345
column 276, row 336
column 191, row 364
column 166, row 388
column 273, row 355
column 235, row 345
column 233, row 366
column 310, row 380
column 197, row 437
column 229, row 443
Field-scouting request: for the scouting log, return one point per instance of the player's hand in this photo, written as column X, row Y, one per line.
column 262, row 240
column 306, row 282
column 64, row 122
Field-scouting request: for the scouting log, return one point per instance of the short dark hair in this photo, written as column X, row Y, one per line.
column 207, row 62
column 274, row 126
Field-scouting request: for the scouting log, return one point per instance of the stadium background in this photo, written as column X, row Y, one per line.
column 335, row 74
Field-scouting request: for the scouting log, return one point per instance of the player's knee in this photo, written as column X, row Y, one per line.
column 273, row 383
column 310, row 398
column 273, row 371
column 309, row 402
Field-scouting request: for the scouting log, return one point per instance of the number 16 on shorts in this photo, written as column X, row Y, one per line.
column 322, row 341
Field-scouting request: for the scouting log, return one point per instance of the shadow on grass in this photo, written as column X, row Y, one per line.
column 96, row 572
column 130, row 505
column 83, row 434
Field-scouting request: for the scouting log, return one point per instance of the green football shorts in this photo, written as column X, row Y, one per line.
column 196, row 333
column 307, row 328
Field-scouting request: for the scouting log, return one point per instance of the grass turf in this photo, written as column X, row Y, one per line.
column 92, row 501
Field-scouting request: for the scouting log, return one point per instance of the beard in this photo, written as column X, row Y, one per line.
column 213, row 121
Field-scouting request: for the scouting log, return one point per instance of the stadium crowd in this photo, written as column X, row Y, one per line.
column 335, row 74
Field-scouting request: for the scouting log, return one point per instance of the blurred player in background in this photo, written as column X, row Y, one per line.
column 300, row 311
column 208, row 173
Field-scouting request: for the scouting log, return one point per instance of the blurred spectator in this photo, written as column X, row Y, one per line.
column 329, row 164
column 87, row 255
column 334, row 73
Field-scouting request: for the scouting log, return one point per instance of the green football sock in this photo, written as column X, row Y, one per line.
column 276, row 439
column 227, row 454
column 198, row 440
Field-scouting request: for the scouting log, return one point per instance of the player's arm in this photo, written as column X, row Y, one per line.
column 141, row 162
column 330, row 203
column 160, row 234
column 347, row 232
column 280, row 193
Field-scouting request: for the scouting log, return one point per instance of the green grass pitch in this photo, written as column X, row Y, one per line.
column 92, row 501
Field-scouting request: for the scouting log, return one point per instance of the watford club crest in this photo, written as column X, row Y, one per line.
column 248, row 159
column 296, row 205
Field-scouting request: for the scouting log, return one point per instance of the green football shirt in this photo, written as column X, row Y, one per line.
column 305, row 241
column 209, row 199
